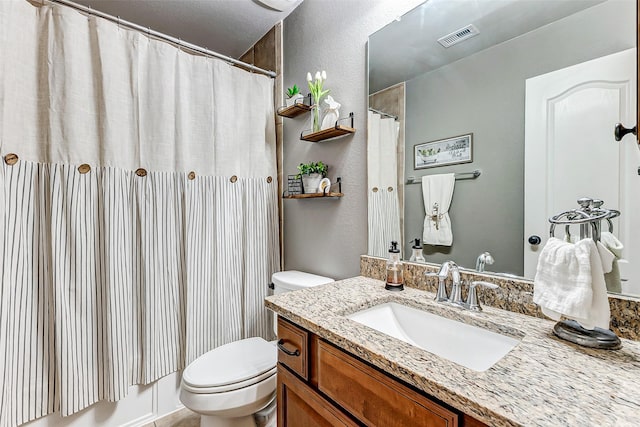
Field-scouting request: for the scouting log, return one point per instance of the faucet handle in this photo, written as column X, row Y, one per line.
column 441, row 295
column 483, row 283
column 472, row 299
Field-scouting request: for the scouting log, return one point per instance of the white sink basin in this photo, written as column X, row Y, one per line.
column 470, row 346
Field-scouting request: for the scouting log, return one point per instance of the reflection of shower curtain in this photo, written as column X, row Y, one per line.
column 384, row 210
column 163, row 250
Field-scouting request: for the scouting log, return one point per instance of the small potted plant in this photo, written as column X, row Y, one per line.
column 293, row 94
column 311, row 174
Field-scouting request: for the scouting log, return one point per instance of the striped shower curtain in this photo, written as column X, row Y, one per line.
column 138, row 209
column 383, row 203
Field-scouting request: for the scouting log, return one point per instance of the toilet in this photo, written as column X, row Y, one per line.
column 230, row 384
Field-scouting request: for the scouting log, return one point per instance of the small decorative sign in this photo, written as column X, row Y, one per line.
column 294, row 184
column 450, row 151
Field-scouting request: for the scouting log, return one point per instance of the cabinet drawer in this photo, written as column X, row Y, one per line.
column 293, row 347
column 374, row 398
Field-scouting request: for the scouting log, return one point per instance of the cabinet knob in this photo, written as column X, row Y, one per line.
column 535, row 240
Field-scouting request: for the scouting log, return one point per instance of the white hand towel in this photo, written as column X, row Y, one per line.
column 600, row 313
column 607, row 257
column 615, row 246
column 437, row 191
column 570, row 281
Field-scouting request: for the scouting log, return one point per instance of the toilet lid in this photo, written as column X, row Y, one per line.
column 231, row 363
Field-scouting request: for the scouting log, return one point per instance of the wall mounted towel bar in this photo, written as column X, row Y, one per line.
column 461, row 175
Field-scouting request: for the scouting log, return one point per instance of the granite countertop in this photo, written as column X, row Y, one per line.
column 543, row 381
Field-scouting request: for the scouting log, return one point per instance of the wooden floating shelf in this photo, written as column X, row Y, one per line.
column 312, row 195
column 333, row 132
column 294, row 111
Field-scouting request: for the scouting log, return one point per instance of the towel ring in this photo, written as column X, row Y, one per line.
column 575, row 217
column 613, row 213
column 568, row 232
column 590, row 213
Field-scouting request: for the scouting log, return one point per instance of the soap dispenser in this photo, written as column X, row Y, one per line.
column 416, row 254
column 395, row 278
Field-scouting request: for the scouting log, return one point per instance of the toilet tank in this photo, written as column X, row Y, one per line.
column 292, row 280
column 285, row 281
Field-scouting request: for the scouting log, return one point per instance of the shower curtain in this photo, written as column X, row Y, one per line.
column 383, row 204
column 138, row 225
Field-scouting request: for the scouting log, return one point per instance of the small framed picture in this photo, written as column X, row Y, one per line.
column 450, row 151
column 294, row 184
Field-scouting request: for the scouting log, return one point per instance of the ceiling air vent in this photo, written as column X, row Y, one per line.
column 458, row 36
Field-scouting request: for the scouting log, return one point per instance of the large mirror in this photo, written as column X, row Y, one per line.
column 518, row 99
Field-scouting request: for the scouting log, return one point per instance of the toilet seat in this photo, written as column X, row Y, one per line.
column 229, row 387
column 232, row 366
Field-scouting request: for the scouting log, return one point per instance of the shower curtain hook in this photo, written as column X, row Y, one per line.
column 88, row 12
column 118, row 22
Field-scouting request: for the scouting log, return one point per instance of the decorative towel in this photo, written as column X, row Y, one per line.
column 615, row 246
column 570, row 281
column 437, row 191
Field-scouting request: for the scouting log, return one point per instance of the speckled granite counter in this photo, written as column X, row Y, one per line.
column 514, row 294
column 543, row 381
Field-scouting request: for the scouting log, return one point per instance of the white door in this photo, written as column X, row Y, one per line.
column 570, row 150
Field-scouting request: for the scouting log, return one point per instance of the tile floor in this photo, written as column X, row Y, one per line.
column 180, row 418
column 186, row 418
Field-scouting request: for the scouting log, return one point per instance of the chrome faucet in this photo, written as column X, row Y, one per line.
column 450, row 267
column 484, row 258
column 456, row 291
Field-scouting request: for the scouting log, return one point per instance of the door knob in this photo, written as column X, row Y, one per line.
column 535, row 240
column 621, row 131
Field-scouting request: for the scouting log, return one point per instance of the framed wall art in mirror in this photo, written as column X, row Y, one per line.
column 449, row 151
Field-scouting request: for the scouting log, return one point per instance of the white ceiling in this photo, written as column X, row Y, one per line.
column 229, row 27
column 408, row 48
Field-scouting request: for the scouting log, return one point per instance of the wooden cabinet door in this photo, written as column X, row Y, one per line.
column 374, row 398
column 300, row 406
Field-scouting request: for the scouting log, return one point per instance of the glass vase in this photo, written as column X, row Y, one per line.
column 315, row 118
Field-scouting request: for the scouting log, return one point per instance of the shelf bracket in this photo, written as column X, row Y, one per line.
column 350, row 116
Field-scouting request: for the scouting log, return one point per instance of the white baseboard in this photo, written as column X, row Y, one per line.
column 143, row 405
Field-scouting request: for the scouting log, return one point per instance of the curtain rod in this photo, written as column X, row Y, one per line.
column 160, row 36
column 382, row 113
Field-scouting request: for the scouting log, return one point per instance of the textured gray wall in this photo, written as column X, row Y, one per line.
column 484, row 94
column 328, row 236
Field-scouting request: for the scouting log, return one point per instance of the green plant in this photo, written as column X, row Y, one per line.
column 292, row 91
column 312, row 167
column 316, row 87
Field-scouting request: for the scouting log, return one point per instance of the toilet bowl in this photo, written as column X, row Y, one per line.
column 231, row 383
column 227, row 385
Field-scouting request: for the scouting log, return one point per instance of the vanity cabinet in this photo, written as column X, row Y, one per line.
column 300, row 405
column 322, row 385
